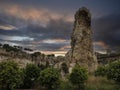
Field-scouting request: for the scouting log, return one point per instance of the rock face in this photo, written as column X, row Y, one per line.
column 81, row 41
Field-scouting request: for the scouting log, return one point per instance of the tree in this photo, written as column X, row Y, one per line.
column 9, row 48
column 49, row 78
column 113, row 71
column 28, row 49
column 78, row 77
column 35, row 55
column 101, row 71
column 31, row 74
column 10, row 75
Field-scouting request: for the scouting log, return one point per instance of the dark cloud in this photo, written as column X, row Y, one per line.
column 54, row 29
column 107, row 29
column 49, row 47
column 41, row 21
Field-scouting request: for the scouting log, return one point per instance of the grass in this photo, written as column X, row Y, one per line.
column 65, row 85
column 93, row 83
column 101, row 83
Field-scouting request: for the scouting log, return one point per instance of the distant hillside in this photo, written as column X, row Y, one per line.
column 107, row 58
column 23, row 56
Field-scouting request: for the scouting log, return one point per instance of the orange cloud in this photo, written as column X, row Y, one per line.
column 101, row 43
column 41, row 16
column 7, row 27
column 65, row 47
column 55, row 41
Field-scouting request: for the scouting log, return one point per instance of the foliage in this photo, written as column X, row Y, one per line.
column 10, row 75
column 66, row 85
column 9, row 48
column 114, row 71
column 93, row 83
column 28, row 49
column 31, row 74
column 49, row 78
column 101, row 71
column 51, row 55
column 64, row 68
column 78, row 76
column 35, row 54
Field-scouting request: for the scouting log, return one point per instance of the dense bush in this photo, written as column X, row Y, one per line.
column 101, row 71
column 31, row 73
column 114, row 71
column 49, row 78
column 78, row 76
column 10, row 75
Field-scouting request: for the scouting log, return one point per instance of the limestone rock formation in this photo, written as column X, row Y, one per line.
column 81, row 41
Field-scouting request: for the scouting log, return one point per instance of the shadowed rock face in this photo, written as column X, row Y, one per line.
column 81, row 41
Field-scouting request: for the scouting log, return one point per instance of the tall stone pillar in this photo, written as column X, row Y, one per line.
column 81, row 41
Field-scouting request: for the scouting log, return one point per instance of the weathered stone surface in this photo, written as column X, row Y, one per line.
column 81, row 42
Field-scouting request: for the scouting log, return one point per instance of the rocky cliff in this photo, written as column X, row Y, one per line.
column 81, row 42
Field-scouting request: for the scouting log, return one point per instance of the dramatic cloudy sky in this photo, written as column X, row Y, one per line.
column 46, row 25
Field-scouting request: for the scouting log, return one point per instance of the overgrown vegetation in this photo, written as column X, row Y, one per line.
column 78, row 77
column 11, row 76
column 113, row 71
column 31, row 73
column 101, row 71
column 100, row 83
column 48, row 78
column 9, row 48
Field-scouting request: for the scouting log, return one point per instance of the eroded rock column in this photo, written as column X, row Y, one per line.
column 81, row 41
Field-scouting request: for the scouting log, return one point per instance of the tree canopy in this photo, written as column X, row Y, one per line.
column 113, row 71
column 49, row 78
column 10, row 75
column 78, row 76
column 31, row 73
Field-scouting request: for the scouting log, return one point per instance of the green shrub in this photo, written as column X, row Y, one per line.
column 49, row 78
column 78, row 76
column 31, row 74
column 101, row 71
column 10, row 75
column 114, row 71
